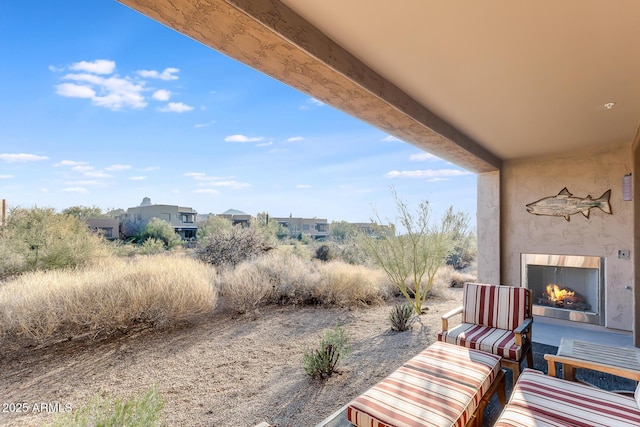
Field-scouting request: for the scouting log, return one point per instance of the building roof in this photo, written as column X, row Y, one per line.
column 233, row 212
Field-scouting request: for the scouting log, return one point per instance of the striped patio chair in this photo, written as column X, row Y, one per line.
column 496, row 319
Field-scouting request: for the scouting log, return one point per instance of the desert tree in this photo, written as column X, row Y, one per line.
column 41, row 238
column 214, row 224
column 161, row 230
column 412, row 256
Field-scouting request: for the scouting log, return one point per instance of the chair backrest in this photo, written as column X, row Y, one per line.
column 496, row 306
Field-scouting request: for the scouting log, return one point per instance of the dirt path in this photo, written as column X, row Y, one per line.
column 225, row 370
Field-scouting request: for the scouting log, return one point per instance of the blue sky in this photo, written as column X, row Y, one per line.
column 102, row 106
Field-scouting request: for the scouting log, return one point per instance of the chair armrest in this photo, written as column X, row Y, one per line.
column 523, row 328
column 447, row 316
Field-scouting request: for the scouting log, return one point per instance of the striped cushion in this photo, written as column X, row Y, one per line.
column 491, row 340
column 441, row 386
column 496, row 306
column 541, row 400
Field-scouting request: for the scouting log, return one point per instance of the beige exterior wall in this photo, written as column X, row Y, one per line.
column 584, row 173
column 488, row 219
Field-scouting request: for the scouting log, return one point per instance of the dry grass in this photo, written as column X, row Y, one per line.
column 116, row 294
column 284, row 278
column 347, row 285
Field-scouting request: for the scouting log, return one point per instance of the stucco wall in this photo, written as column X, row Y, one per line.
column 584, row 173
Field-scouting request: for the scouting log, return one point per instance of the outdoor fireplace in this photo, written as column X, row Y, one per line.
column 568, row 287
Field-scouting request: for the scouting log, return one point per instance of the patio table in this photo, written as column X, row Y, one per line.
column 572, row 354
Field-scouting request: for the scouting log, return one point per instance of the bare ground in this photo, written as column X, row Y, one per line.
column 225, row 370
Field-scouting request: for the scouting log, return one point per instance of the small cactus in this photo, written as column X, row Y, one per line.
column 402, row 317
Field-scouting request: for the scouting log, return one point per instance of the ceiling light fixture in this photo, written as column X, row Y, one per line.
column 609, row 105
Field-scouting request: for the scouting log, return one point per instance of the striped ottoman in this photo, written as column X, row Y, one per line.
column 445, row 385
column 539, row 400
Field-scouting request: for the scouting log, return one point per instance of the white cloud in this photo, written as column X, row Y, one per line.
column 138, row 178
column 264, row 144
column 21, row 157
column 84, row 183
column 204, row 125
column 151, row 168
column 303, row 186
column 75, row 190
column 70, row 163
column 390, row 138
column 423, row 157
column 44, row 190
column 99, row 66
column 82, row 168
column 294, row 139
column 72, row 90
column 115, row 93
column 234, row 185
column 118, row 167
column 243, row 138
column 161, row 95
column 317, row 102
column 175, row 107
column 166, row 74
column 211, row 191
column 6, row 176
column 428, row 173
column 195, row 174
column 98, row 175
column 95, row 80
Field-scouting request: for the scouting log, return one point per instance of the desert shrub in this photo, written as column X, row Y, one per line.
column 282, row 278
column 349, row 285
column 349, row 251
column 245, row 287
column 449, row 277
column 325, row 253
column 321, row 362
column 160, row 230
column 301, row 251
column 230, row 248
column 115, row 295
column 213, row 225
column 402, row 316
column 152, row 246
column 278, row 277
column 109, row 411
column 41, row 239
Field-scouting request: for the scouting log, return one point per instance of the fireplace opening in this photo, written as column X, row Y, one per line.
column 567, row 287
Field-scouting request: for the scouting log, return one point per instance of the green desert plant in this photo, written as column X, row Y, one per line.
column 41, row 239
column 161, row 230
column 412, row 259
column 402, row 316
column 321, row 362
column 109, row 411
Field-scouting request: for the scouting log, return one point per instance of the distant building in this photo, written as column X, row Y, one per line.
column 236, row 217
column 182, row 219
column 315, row 228
column 373, row 230
column 107, row 227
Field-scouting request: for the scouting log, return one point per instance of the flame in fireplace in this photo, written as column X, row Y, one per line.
column 556, row 294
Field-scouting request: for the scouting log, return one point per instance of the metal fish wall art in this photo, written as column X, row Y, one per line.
column 566, row 204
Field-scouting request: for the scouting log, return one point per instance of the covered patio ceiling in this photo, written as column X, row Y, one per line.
column 475, row 83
